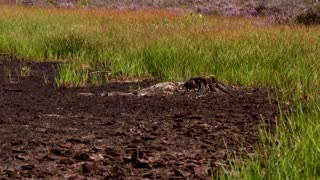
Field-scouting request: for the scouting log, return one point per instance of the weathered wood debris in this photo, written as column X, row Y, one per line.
column 199, row 84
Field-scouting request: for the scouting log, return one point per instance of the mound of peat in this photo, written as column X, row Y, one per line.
column 50, row 133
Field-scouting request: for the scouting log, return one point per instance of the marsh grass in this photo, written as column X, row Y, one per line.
column 175, row 46
column 24, row 71
column 9, row 75
column 46, row 79
column 71, row 76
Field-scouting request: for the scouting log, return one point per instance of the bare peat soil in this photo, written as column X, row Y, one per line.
column 62, row 133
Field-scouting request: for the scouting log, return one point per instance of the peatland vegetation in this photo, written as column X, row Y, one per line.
column 173, row 46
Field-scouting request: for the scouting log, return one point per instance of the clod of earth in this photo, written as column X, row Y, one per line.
column 137, row 160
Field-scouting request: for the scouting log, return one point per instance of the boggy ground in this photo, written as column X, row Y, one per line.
column 59, row 133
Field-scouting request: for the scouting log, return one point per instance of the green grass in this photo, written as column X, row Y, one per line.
column 171, row 46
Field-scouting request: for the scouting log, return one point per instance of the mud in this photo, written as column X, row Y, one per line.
column 76, row 133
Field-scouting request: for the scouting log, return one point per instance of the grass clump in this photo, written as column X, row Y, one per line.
column 69, row 45
column 294, row 154
column 71, row 76
column 171, row 60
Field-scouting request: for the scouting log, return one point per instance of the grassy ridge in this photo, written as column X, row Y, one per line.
column 174, row 46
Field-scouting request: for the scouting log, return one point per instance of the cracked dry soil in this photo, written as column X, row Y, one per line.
column 59, row 133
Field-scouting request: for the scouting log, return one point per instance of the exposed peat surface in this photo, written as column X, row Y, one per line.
column 64, row 133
